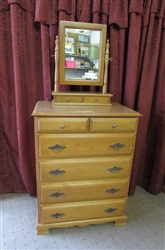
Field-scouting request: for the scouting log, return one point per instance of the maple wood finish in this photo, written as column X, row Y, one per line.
column 60, row 55
column 83, row 163
column 72, row 98
column 83, row 98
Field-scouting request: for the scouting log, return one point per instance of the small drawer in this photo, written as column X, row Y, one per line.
column 81, row 211
column 63, row 170
column 62, row 124
column 113, row 124
column 82, row 191
column 85, row 144
column 96, row 99
column 68, row 98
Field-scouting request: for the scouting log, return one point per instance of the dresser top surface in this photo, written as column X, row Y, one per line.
column 45, row 108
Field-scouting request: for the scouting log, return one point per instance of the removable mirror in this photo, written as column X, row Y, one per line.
column 82, row 53
column 81, row 58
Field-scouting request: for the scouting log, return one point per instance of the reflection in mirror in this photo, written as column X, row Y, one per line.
column 82, row 49
column 82, row 53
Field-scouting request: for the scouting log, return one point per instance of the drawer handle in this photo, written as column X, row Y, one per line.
column 57, row 172
column 68, row 99
column 114, row 125
column 62, row 126
column 110, row 210
column 96, row 100
column 117, row 146
column 112, row 190
column 115, row 169
column 56, row 195
column 56, row 215
column 56, row 147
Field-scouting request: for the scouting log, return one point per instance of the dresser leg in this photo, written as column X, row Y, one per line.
column 42, row 229
column 121, row 222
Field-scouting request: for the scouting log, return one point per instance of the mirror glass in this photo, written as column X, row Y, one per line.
column 82, row 51
column 81, row 54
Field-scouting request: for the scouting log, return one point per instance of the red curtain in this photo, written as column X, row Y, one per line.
column 136, row 30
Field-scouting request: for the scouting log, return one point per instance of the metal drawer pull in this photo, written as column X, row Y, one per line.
column 110, row 210
column 57, row 172
column 114, row 125
column 115, row 169
column 112, row 190
column 68, row 99
column 56, row 195
column 56, row 215
column 62, row 126
column 56, row 147
column 117, row 146
column 96, row 100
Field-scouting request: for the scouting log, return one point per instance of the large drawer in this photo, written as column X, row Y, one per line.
column 62, row 170
column 46, row 124
column 113, row 124
column 82, row 191
column 81, row 211
column 77, row 145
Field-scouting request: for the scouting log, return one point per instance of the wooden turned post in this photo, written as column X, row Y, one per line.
column 56, row 84
column 106, row 68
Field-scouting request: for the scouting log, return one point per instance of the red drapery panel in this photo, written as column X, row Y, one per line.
column 136, row 30
column 22, row 83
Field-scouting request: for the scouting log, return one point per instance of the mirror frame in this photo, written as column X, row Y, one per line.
column 80, row 25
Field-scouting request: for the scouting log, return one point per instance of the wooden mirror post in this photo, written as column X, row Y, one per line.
column 106, row 68
column 56, row 79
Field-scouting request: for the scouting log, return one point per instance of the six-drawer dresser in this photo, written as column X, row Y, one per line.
column 84, row 157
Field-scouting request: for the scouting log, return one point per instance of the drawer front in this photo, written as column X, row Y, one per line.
column 81, row 211
column 82, row 191
column 70, row 145
column 62, row 170
column 68, row 98
column 113, row 124
column 62, row 124
column 96, row 99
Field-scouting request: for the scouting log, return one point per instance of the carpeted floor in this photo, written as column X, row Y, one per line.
column 145, row 228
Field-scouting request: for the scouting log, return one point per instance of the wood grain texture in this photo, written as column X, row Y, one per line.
column 83, row 163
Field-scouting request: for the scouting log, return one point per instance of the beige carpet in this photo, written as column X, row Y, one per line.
column 145, row 228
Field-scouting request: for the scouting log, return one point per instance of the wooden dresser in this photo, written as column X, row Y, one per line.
column 83, row 163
